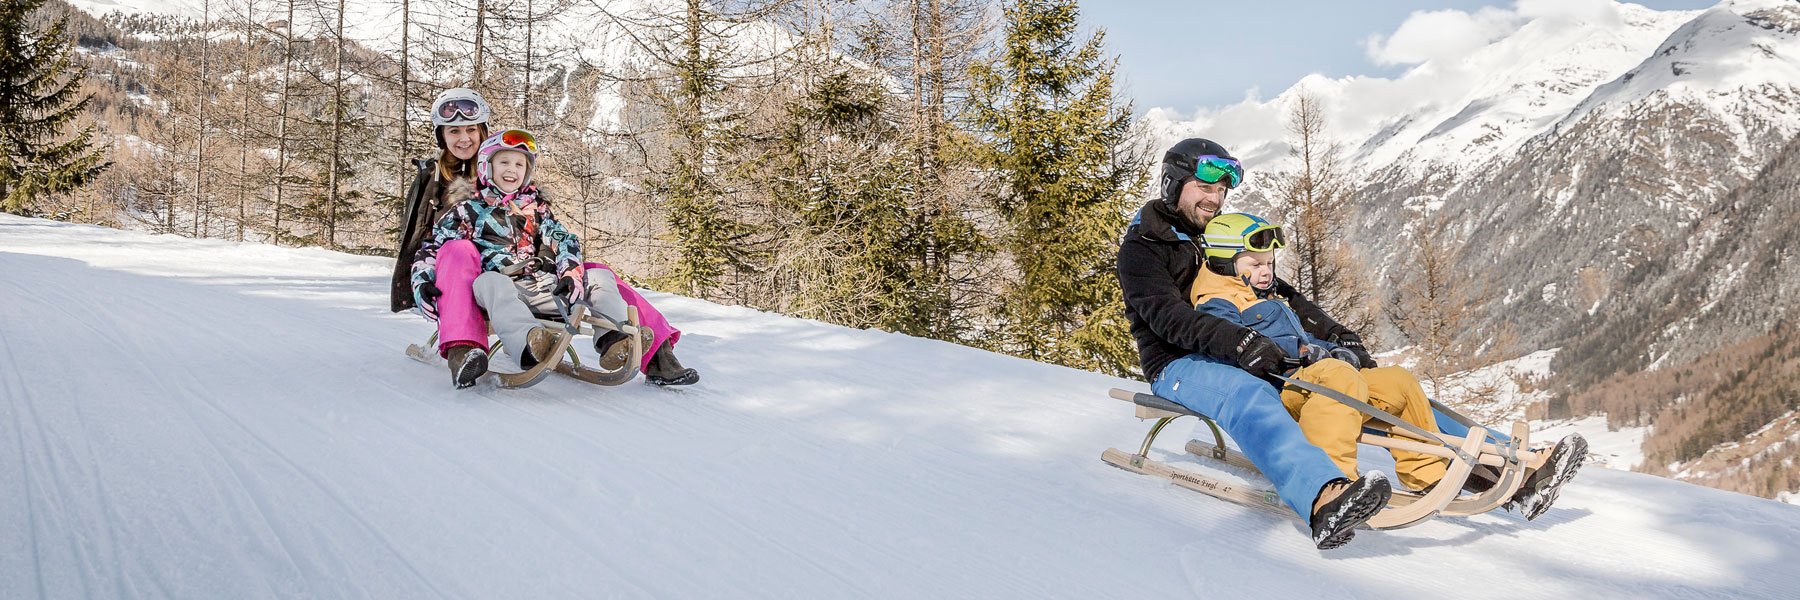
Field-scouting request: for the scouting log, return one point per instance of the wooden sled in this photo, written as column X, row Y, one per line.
column 576, row 322
column 1405, row 509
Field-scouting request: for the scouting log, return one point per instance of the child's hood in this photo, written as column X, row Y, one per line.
column 1208, row 284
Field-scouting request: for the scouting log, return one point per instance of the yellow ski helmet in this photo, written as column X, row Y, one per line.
column 1229, row 234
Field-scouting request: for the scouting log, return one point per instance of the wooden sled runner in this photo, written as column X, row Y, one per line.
column 576, row 321
column 1406, row 508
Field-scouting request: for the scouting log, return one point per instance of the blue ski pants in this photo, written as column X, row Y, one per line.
column 1250, row 411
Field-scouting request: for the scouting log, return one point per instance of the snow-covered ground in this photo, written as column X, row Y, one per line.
column 204, row 419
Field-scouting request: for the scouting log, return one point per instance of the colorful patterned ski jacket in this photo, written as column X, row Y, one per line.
column 506, row 232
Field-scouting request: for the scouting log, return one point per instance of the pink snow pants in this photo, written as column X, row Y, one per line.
column 459, row 318
column 460, row 321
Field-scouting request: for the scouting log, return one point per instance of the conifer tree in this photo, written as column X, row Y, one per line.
column 948, row 272
column 1431, row 303
column 1315, row 208
column 1056, row 138
column 843, row 261
column 38, row 88
column 694, row 135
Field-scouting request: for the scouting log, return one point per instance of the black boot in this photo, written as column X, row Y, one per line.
column 666, row 370
column 467, row 364
column 1335, row 523
column 1542, row 485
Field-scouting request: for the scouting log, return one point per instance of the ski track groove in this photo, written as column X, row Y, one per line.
column 60, row 488
column 17, row 395
column 160, row 379
column 342, row 333
column 156, row 304
column 236, row 472
column 102, row 495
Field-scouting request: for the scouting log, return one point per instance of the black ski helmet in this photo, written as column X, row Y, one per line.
column 1179, row 162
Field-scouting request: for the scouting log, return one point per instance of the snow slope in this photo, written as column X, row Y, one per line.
column 188, row 419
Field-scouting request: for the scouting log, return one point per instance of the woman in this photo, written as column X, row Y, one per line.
column 460, row 122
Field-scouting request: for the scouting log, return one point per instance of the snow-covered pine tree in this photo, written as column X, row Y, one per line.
column 38, row 99
column 1056, row 137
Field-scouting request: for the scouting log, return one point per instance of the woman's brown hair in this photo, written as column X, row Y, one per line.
column 450, row 167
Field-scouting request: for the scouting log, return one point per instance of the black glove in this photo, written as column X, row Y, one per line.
column 1344, row 354
column 1352, row 342
column 566, row 287
column 430, row 292
column 1259, row 355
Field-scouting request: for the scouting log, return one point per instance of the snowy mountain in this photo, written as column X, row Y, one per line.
column 1582, row 79
column 199, row 418
column 1453, row 113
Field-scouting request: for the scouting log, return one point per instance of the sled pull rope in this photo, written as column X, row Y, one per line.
column 562, row 309
column 1377, row 413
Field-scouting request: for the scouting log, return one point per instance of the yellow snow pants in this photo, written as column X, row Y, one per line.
column 1334, row 426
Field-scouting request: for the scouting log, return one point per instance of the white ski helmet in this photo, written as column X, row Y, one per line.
column 459, row 106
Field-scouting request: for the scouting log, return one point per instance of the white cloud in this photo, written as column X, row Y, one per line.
column 1445, row 35
column 1441, row 35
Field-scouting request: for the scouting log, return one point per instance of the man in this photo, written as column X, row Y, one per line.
column 1215, row 367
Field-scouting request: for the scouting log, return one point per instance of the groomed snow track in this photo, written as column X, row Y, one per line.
column 203, row 419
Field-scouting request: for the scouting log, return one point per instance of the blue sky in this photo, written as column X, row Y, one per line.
column 1265, row 45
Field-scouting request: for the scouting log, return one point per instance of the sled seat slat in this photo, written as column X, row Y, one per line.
column 1150, row 406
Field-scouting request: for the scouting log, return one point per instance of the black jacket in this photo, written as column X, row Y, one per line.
column 1158, row 260
column 424, row 205
column 1157, row 264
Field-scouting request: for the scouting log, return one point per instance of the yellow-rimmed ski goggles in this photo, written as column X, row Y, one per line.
column 1228, row 234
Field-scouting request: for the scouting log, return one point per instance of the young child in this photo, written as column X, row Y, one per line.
column 501, row 250
column 1238, row 284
